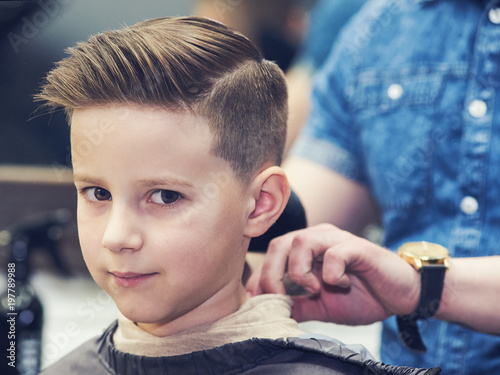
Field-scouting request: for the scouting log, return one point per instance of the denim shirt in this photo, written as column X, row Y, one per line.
column 408, row 104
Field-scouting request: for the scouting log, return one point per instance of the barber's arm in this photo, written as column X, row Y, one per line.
column 329, row 197
column 471, row 294
column 353, row 281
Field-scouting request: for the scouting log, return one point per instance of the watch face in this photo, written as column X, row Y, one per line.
column 424, row 250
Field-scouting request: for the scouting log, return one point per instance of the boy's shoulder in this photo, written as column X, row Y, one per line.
column 83, row 360
column 251, row 357
column 322, row 356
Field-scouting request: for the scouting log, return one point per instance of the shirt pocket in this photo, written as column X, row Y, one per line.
column 397, row 114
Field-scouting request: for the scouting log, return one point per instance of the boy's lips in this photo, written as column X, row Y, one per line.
column 130, row 279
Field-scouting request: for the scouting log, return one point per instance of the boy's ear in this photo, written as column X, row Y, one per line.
column 270, row 193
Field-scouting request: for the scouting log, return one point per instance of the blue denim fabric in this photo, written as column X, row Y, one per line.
column 392, row 110
column 327, row 19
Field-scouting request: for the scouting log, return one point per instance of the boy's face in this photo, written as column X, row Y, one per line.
column 161, row 220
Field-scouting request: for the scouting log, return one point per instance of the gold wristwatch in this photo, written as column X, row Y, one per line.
column 432, row 261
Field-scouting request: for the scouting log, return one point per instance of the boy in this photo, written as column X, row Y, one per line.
column 177, row 131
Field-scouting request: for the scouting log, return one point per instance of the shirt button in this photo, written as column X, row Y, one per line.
column 395, row 91
column 494, row 16
column 477, row 108
column 469, row 205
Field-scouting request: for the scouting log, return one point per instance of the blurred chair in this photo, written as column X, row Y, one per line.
column 34, row 201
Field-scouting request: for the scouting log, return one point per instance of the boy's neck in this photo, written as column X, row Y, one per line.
column 224, row 303
column 265, row 316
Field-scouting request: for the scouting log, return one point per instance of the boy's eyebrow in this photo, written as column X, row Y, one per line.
column 157, row 181
column 83, row 178
column 163, row 181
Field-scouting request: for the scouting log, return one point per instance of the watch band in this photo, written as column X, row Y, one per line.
column 432, row 279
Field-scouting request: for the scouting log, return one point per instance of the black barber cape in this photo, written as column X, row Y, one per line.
column 292, row 356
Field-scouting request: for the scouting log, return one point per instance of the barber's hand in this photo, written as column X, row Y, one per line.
column 351, row 280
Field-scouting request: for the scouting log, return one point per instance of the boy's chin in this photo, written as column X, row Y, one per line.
column 147, row 320
column 139, row 318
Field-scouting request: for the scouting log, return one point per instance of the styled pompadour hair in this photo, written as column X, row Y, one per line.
column 182, row 63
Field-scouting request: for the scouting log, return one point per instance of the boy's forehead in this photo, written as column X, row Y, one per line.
column 120, row 118
column 158, row 134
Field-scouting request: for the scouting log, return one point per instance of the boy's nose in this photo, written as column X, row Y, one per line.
column 122, row 232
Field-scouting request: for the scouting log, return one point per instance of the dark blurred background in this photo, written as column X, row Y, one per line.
column 34, row 34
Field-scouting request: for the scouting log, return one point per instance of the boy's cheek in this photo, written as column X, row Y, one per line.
column 90, row 240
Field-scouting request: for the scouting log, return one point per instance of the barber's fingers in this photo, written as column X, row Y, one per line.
column 336, row 261
column 299, row 253
column 315, row 248
column 275, row 265
column 305, row 253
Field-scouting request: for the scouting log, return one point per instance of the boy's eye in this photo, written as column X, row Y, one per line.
column 165, row 196
column 97, row 194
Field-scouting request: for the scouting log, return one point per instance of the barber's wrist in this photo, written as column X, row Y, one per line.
column 449, row 295
column 401, row 288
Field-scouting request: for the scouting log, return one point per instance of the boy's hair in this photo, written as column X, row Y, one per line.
column 182, row 63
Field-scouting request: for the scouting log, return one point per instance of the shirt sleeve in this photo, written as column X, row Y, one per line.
column 330, row 136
